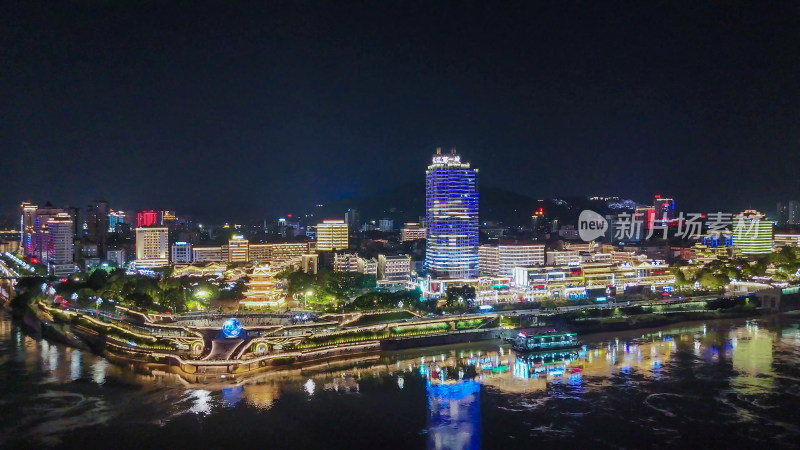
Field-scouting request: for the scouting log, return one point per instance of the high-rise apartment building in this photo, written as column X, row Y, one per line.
column 60, row 259
column 152, row 246
column 788, row 213
column 451, row 207
column 35, row 240
column 97, row 222
column 332, row 235
column 351, row 217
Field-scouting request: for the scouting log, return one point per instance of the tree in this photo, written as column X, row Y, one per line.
column 460, row 298
column 140, row 300
column 97, row 279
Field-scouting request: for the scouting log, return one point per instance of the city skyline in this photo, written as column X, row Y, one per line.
column 267, row 109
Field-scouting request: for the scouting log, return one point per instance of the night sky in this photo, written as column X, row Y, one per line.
column 229, row 110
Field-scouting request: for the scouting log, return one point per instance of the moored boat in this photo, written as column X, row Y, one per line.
column 544, row 340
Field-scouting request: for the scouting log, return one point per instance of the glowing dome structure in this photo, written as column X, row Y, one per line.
column 232, row 328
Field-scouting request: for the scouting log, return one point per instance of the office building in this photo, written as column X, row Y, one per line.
column 152, row 247
column 394, row 268
column 181, row 252
column 202, row 255
column 238, row 250
column 332, row 235
column 502, row 259
column 451, row 207
column 752, row 233
column 412, row 231
column 281, row 255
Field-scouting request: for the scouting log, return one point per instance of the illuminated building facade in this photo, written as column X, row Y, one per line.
column 752, row 233
column 202, row 255
column 115, row 218
column 309, row 263
column 147, row 218
column 181, row 252
column 394, row 268
column 35, row 229
column 412, row 231
column 332, row 235
column 563, row 257
column 238, row 250
column 152, row 247
column 60, row 259
column 501, row 259
column 345, row 262
column 263, row 289
column 166, row 218
column 572, row 282
column 451, row 207
column 27, row 227
column 280, row 255
column 786, row 240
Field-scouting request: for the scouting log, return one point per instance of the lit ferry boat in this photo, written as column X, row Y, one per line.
column 545, row 340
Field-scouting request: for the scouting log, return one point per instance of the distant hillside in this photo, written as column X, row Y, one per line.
column 406, row 203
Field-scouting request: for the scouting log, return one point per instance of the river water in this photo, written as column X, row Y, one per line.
column 725, row 384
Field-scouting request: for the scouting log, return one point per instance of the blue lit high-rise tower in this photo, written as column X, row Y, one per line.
column 451, row 206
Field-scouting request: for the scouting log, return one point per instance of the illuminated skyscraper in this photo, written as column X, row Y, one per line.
column 152, row 248
column 60, row 249
column 752, row 233
column 238, row 249
column 332, row 235
column 451, row 207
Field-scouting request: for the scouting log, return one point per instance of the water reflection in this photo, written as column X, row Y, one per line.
column 463, row 396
